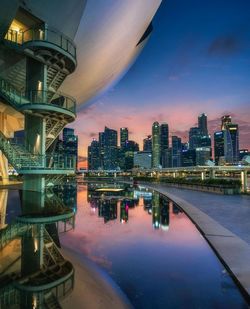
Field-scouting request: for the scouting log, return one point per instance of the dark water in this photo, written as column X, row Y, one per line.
column 151, row 249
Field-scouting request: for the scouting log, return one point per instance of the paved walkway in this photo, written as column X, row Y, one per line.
column 219, row 217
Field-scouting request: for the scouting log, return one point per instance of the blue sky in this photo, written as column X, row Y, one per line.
column 197, row 60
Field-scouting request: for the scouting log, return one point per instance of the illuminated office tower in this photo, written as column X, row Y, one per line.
column 110, row 149
column 202, row 124
column 225, row 121
column 156, row 147
column 123, row 136
column 231, row 132
column 195, row 136
column 176, row 151
column 147, row 143
column 94, row 155
column 218, row 146
column 164, row 138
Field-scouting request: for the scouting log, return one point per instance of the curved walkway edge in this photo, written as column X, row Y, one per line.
column 233, row 251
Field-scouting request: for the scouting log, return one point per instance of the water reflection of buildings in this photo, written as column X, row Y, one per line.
column 124, row 207
column 34, row 273
column 107, row 209
column 113, row 204
column 160, row 212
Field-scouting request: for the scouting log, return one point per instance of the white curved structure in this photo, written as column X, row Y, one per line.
column 106, row 34
column 80, row 47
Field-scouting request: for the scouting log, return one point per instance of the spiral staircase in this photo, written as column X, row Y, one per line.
column 43, row 58
column 56, row 55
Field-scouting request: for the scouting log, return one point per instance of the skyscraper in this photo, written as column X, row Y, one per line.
column 218, row 146
column 176, row 151
column 164, row 144
column 188, row 157
column 231, row 139
column 156, row 151
column 94, row 155
column 123, row 136
column 101, row 148
column 129, row 149
column 234, row 135
column 110, row 149
column 70, row 144
column 195, row 136
column 225, row 120
column 202, row 124
column 147, row 143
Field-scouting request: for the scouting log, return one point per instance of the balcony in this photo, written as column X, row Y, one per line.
column 52, row 43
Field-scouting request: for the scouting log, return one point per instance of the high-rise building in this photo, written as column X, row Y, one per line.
column 147, row 143
column 164, row 138
column 234, row 135
column 188, row 157
column 195, row 136
column 94, row 155
column 129, row 149
column 225, row 121
column 218, row 146
column 123, row 136
column 203, row 154
column 176, row 151
column 231, row 132
column 101, row 148
column 70, row 144
column 110, row 149
column 156, row 148
column 202, row 124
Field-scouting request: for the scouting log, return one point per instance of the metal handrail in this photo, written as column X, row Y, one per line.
column 29, row 161
column 47, row 97
column 42, row 33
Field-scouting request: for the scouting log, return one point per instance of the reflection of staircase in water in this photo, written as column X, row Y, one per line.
column 55, row 279
column 10, row 232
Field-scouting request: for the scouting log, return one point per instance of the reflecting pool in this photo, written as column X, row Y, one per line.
column 150, row 248
column 140, row 239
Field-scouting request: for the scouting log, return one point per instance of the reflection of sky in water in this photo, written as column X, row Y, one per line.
column 150, row 248
column 170, row 266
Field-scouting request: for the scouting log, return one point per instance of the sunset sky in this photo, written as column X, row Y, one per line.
column 197, row 60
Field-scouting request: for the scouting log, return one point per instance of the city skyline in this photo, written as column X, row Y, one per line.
column 215, row 127
column 199, row 65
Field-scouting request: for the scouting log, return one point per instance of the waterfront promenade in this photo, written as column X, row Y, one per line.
column 223, row 221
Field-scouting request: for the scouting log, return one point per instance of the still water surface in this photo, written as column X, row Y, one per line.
column 151, row 249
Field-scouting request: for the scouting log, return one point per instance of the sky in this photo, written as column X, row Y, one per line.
column 197, row 60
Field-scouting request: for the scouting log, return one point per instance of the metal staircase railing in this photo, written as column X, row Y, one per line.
column 21, row 159
column 18, row 99
column 42, row 33
column 11, row 232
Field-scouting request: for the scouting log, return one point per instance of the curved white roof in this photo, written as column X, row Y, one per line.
column 107, row 44
column 107, row 33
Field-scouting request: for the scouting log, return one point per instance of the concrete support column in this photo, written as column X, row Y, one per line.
column 36, row 79
column 244, row 181
column 34, row 183
column 203, row 175
column 35, row 134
